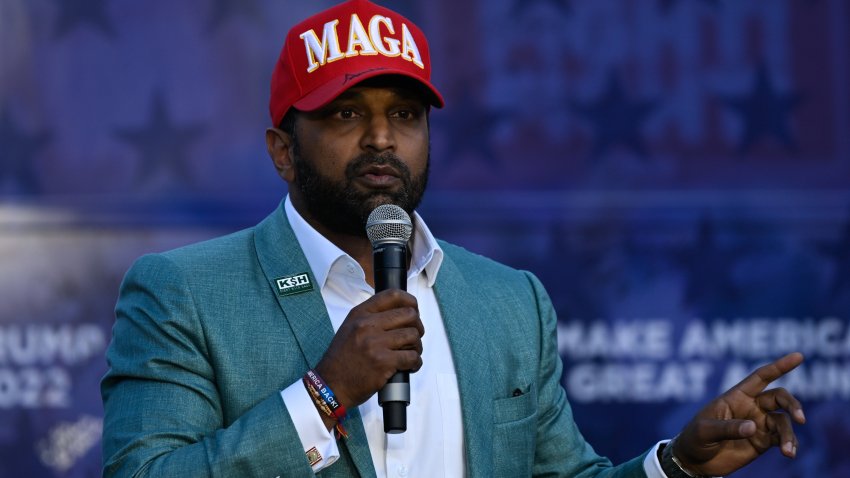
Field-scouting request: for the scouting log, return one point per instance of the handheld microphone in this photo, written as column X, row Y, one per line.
column 389, row 228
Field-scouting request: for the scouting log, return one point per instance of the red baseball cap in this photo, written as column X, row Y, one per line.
column 340, row 47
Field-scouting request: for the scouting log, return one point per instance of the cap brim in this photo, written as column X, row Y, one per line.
column 327, row 92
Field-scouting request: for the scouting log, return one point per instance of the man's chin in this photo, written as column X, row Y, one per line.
column 379, row 199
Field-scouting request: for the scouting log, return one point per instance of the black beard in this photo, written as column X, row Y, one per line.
column 338, row 206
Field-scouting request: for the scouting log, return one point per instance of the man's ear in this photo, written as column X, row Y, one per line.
column 279, row 144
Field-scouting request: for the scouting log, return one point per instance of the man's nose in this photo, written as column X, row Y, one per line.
column 379, row 135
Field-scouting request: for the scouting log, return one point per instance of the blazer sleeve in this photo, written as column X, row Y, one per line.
column 163, row 412
column 560, row 448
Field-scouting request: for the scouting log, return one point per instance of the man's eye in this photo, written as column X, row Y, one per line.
column 346, row 114
column 405, row 114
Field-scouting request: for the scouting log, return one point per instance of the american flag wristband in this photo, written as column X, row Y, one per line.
column 323, row 395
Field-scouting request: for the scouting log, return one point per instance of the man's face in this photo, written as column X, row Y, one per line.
column 368, row 147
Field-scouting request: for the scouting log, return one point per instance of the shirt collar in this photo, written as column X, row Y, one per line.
column 426, row 255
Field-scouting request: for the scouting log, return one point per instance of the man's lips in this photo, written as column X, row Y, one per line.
column 379, row 176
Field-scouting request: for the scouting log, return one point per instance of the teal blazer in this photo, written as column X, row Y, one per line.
column 203, row 343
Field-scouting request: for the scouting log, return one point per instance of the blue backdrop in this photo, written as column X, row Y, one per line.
column 677, row 172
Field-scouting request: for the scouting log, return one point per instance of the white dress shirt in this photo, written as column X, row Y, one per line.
column 433, row 443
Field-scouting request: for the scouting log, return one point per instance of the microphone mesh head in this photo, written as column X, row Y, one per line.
column 388, row 223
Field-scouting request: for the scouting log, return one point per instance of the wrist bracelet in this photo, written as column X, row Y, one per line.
column 326, row 400
column 318, row 400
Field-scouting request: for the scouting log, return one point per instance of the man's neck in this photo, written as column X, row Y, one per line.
column 357, row 246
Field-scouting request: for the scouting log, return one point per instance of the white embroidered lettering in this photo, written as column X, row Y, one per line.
column 358, row 38
column 360, row 42
column 319, row 53
column 410, row 51
column 388, row 46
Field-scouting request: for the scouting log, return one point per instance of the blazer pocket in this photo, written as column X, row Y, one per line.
column 514, row 434
column 518, row 407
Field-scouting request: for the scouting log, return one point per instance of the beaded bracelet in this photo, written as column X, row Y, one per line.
column 326, row 400
column 318, row 400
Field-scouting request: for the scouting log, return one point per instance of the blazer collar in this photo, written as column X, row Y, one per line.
column 467, row 332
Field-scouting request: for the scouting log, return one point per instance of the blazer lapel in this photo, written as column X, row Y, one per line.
column 467, row 333
column 283, row 264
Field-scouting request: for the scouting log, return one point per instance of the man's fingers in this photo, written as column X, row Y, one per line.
column 763, row 376
column 386, row 320
column 409, row 360
column 389, row 299
column 781, row 399
column 780, row 425
column 713, row 431
column 401, row 318
column 404, row 339
column 396, row 309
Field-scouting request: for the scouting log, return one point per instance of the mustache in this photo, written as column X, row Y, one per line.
column 366, row 160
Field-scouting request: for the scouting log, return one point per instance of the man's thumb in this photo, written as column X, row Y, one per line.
column 713, row 431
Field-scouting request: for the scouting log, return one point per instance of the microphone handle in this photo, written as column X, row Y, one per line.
column 394, row 399
column 390, row 261
column 390, row 264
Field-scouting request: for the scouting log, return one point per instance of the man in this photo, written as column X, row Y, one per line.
column 260, row 353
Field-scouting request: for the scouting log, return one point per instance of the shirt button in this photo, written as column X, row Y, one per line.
column 350, row 268
column 402, row 470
